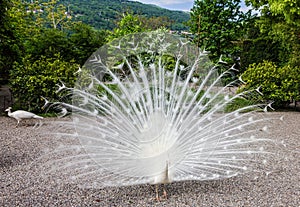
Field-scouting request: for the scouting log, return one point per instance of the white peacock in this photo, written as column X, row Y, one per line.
column 149, row 108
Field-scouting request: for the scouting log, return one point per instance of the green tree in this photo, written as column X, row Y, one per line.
column 281, row 20
column 153, row 23
column 8, row 47
column 44, row 28
column 257, row 46
column 48, row 43
column 78, row 43
column 28, row 25
column 51, row 14
column 217, row 25
column 84, row 40
column 288, row 9
column 127, row 25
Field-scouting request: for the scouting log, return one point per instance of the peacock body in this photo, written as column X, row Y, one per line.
column 19, row 115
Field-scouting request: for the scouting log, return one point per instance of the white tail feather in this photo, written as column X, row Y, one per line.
column 152, row 115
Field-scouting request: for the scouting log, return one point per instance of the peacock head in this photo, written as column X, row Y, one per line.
column 8, row 109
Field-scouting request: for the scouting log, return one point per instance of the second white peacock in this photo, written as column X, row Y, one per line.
column 19, row 115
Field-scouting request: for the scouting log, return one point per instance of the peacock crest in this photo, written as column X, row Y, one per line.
column 151, row 108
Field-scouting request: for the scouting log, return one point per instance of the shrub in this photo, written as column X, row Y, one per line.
column 239, row 103
column 31, row 80
column 278, row 84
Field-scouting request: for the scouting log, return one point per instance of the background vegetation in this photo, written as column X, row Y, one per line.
column 44, row 42
column 105, row 14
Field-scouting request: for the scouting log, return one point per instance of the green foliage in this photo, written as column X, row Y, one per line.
column 23, row 32
column 27, row 32
column 258, row 46
column 281, row 21
column 128, row 24
column 31, row 80
column 288, row 9
column 10, row 43
column 48, row 42
column 84, row 40
column 241, row 102
column 50, row 14
column 278, row 84
column 274, row 37
column 77, row 43
column 154, row 23
column 217, row 25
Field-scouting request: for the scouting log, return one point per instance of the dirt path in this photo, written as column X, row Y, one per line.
column 23, row 184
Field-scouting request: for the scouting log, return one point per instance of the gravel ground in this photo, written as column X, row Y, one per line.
column 21, row 185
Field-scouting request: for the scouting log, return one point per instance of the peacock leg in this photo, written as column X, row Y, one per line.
column 165, row 195
column 156, row 192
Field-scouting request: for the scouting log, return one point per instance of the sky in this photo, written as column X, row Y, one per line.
column 183, row 5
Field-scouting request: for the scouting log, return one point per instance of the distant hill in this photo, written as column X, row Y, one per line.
column 103, row 14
